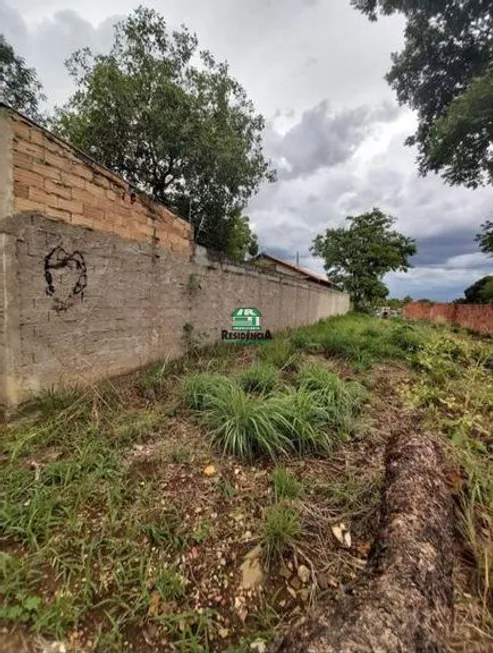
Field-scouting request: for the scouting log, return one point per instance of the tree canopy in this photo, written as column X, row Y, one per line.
column 18, row 83
column 174, row 122
column 485, row 238
column 445, row 73
column 358, row 256
column 480, row 292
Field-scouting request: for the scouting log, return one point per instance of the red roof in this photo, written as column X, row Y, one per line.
column 308, row 274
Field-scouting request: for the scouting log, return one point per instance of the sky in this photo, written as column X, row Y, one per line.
column 315, row 70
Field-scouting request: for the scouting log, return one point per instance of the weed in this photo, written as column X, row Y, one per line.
column 152, row 379
column 202, row 531
column 169, row 583
column 179, row 455
column 259, row 377
column 281, row 529
column 285, row 485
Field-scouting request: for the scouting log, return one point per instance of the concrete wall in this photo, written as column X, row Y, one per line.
column 476, row 317
column 103, row 281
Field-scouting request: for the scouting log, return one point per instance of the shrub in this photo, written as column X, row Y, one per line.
column 259, row 377
column 285, row 485
column 281, row 529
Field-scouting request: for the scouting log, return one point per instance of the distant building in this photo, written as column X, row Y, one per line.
column 285, row 267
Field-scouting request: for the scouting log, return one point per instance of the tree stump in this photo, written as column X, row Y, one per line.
column 403, row 603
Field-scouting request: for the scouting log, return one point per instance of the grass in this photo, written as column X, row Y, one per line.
column 260, row 377
column 455, row 389
column 281, row 529
column 285, row 485
column 302, row 419
column 96, row 539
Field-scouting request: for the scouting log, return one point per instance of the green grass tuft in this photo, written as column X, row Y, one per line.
column 285, row 484
column 201, row 387
column 281, row 529
column 259, row 377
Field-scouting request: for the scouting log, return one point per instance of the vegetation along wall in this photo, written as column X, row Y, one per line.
column 476, row 317
column 97, row 280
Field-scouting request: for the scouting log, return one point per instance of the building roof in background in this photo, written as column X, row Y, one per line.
column 308, row 274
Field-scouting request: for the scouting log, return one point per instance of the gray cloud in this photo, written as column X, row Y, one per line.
column 323, row 138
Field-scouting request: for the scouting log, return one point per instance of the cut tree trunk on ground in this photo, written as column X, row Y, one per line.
column 403, row 603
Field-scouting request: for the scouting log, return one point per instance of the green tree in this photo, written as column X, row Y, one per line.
column 19, row 84
column 171, row 120
column 480, row 292
column 357, row 257
column 445, row 73
column 485, row 238
column 241, row 240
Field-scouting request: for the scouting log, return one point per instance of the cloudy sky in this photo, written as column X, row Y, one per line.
column 315, row 69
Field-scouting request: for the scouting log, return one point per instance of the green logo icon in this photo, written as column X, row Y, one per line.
column 246, row 319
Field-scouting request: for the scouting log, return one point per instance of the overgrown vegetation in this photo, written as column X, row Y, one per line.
column 129, row 507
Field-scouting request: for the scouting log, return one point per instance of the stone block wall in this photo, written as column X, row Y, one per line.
column 97, row 280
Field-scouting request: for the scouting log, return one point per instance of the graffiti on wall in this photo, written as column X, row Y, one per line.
column 66, row 277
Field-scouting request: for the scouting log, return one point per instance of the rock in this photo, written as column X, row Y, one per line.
column 252, row 574
column 342, row 535
column 295, row 583
column 259, row 645
column 322, row 581
column 304, row 574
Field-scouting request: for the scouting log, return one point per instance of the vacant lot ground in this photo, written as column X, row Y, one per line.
column 205, row 504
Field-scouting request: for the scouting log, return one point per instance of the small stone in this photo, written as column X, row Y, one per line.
column 304, row 574
column 295, row 583
column 223, row 633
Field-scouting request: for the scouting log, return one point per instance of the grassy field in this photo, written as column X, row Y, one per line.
column 204, row 504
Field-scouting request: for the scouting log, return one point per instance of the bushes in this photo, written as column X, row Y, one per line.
column 309, row 418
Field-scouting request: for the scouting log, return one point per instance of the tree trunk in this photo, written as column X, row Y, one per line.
column 403, row 603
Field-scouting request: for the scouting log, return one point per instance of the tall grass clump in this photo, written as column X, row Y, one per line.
column 247, row 425
column 281, row 529
column 281, row 353
column 285, row 485
column 200, row 388
column 260, row 377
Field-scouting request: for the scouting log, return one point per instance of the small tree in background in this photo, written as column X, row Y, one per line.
column 19, row 84
column 480, row 292
column 358, row 256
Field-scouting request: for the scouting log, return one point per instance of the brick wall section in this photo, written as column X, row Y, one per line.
column 476, row 317
column 52, row 178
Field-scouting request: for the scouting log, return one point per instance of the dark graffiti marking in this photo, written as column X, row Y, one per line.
column 66, row 277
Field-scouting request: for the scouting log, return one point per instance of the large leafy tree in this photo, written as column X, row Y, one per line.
column 359, row 255
column 19, row 84
column 445, row 73
column 172, row 121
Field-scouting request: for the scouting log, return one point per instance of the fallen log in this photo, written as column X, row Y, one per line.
column 403, row 603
